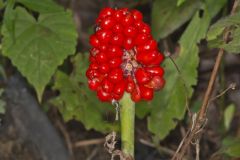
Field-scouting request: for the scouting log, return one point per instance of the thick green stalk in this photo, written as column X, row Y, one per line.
column 127, row 116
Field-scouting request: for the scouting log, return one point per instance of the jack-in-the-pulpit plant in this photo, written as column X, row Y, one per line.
column 124, row 57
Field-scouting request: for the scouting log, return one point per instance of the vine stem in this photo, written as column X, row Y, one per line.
column 127, row 119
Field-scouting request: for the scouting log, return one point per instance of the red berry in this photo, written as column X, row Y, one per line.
column 119, row 88
column 156, row 83
column 103, row 47
column 94, row 41
column 128, row 43
column 104, row 36
column 141, row 39
column 149, row 45
column 137, row 15
column 93, row 66
column 118, row 15
column 125, row 11
column 117, row 39
column 117, row 28
column 116, row 97
column 130, row 31
column 103, row 96
column 101, row 57
column 144, row 28
column 135, row 96
column 130, row 85
column 155, row 71
column 104, row 68
column 107, row 86
column 146, row 93
column 107, row 23
column 146, row 58
column 91, row 73
column 127, row 20
column 92, row 59
column 94, row 51
column 142, row 76
column 114, row 51
column 115, row 75
column 159, row 58
column 106, row 12
column 93, row 84
column 115, row 62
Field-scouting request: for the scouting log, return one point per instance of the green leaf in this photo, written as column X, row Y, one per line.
column 228, row 115
column 9, row 17
column 179, row 2
column 167, row 16
column 217, row 28
column 76, row 101
column 39, row 46
column 231, row 146
column 215, row 34
column 43, row 6
column 169, row 105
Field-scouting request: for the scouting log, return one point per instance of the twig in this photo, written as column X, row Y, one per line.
column 84, row 143
column 93, row 153
column 66, row 137
column 216, row 68
column 196, row 128
column 160, row 148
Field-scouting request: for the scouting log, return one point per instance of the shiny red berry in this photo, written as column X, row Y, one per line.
column 104, row 36
column 137, row 15
column 107, row 86
column 119, row 88
column 101, row 57
column 146, row 93
column 93, row 84
column 156, row 83
column 103, row 96
column 117, row 39
column 130, row 85
column 130, row 31
column 117, row 28
column 127, row 20
column 115, row 62
column 104, row 68
column 128, row 43
column 141, row 38
column 94, row 41
column 142, row 76
column 106, row 12
column 135, row 96
column 115, row 75
column 155, row 71
column 107, row 23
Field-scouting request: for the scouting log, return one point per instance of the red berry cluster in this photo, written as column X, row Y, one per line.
column 124, row 57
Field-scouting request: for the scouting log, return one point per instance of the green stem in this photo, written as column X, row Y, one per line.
column 127, row 115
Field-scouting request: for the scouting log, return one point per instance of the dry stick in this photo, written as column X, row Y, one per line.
column 215, row 69
column 201, row 118
column 84, row 143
